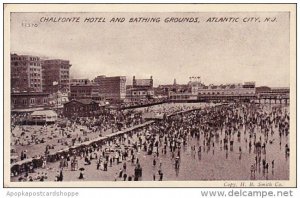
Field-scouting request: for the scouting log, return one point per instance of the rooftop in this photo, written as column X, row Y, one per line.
column 44, row 112
column 29, row 94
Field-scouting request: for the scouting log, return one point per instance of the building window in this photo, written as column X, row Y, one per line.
column 24, row 101
column 32, row 100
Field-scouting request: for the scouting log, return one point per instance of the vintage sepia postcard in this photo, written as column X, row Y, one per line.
column 150, row 95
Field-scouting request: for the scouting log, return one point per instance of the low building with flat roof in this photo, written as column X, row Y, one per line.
column 28, row 101
column 43, row 116
column 83, row 108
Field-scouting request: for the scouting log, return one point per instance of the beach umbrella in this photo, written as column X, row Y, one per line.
column 81, row 169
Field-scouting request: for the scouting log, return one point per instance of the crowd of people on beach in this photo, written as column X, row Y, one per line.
column 202, row 130
column 68, row 132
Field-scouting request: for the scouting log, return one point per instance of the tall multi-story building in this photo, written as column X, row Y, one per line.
column 26, row 73
column 111, row 88
column 56, row 75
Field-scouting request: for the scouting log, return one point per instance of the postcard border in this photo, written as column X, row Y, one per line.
column 4, row 60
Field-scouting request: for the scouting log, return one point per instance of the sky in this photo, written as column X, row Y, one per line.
column 218, row 52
